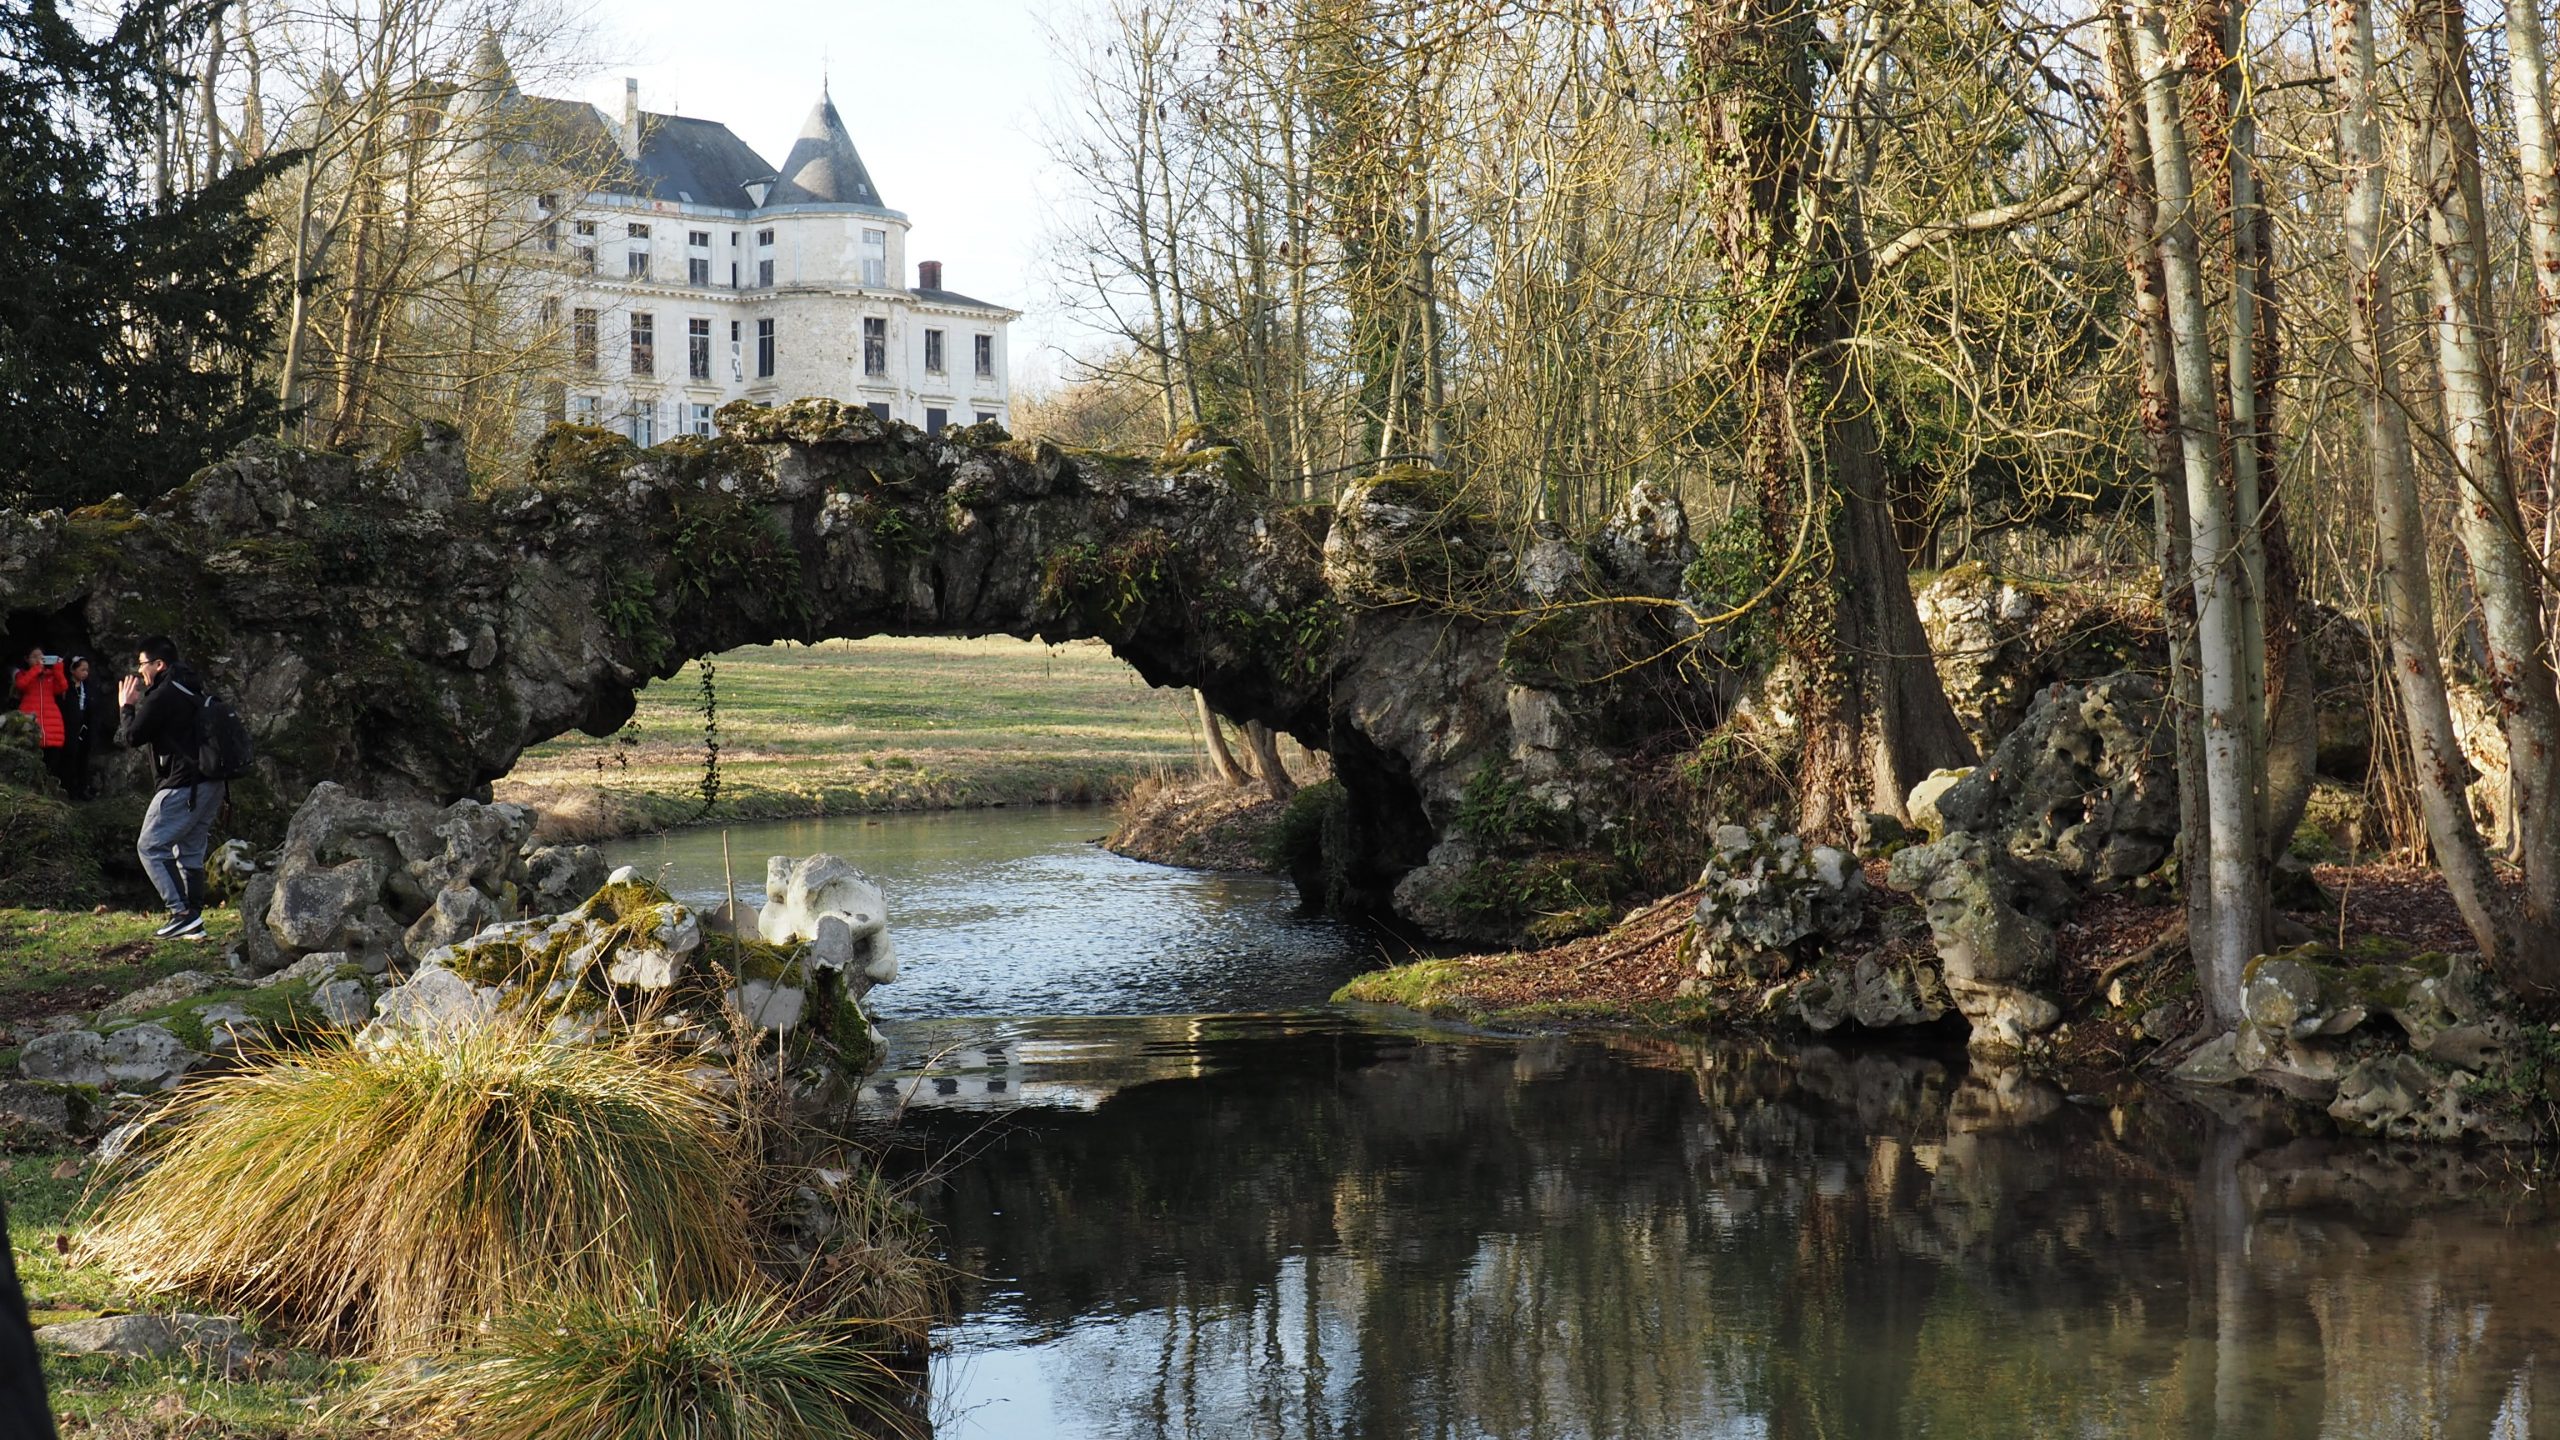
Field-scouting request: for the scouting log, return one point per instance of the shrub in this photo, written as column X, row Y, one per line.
column 633, row 1368
column 396, row 1200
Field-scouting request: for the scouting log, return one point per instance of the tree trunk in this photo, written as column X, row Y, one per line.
column 1873, row 717
column 1221, row 759
column 2504, row 577
column 2159, row 391
column 1265, row 746
column 2441, row 773
column 2233, row 872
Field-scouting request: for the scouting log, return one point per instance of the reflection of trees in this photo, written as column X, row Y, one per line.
column 1353, row 1234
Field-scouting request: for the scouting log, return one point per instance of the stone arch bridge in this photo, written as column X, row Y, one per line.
column 388, row 624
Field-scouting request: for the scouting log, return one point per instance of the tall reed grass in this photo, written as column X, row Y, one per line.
column 630, row 1367
column 395, row 1202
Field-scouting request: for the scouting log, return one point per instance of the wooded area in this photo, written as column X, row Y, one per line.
column 2089, row 290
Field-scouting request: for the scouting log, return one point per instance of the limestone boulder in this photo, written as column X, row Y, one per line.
column 2084, row 792
column 1987, row 928
column 433, row 1004
column 72, row 1057
column 386, row 882
column 458, row 912
column 1874, row 991
column 212, row 1340
column 1999, row 641
column 1771, row 900
column 561, row 877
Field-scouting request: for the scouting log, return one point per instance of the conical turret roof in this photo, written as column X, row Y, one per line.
column 823, row 166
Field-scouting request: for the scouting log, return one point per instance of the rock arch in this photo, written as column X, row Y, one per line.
column 388, row 625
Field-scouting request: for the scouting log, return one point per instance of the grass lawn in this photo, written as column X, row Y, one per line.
column 53, row 961
column 854, row 726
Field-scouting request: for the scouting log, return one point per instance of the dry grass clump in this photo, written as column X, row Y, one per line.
column 393, row 1202
column 633, row 1368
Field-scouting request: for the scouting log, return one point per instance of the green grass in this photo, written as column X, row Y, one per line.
column 851, row 727
column 281, row 1394
column 53, row 961
column 1431, row 986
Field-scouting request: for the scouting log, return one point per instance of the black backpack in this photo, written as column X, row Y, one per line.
column 223, row 748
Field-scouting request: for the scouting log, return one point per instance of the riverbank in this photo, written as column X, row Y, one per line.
column 1198, row 823
column 2123, row 980
column 865, row 727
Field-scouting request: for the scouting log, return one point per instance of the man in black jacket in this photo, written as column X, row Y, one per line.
column 160, row 708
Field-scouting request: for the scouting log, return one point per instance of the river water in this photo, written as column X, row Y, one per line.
column 1188, row 1198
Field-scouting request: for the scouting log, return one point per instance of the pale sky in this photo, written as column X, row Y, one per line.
column 944, row 101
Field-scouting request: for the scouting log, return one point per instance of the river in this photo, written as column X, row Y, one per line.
column 1186, row 1197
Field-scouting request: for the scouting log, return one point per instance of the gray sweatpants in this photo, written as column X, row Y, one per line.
column 176, row 831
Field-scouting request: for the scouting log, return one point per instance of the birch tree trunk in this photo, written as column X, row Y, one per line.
column 2504, row 576
column 2157, row 377
column 2441, row 772
column 2232, row 873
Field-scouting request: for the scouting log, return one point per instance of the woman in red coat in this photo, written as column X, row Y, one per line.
column 40, row 685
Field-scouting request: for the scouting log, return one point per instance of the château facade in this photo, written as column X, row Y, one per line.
column 692, row 273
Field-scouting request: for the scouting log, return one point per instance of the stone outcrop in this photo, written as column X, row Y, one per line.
column 2080, row 799
column 385, row 882
column 2000, row 640
column 388, row 624
column 632, row 955
column 2405, row 1046
column 1770, row 900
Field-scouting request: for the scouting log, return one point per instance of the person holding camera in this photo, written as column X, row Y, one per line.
column 160, row 708
column 40, row 683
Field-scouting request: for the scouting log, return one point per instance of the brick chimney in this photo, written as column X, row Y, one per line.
column 630, row 117
column 928, row 274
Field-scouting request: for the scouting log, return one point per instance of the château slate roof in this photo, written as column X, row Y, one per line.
column 954, row 297
column 823, row 167
column 700, row 162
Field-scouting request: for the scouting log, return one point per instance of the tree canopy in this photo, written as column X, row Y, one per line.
column 130, row 331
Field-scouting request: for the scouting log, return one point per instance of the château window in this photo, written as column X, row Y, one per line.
column 875, row 346
column 697, row 343
column 879, row 408
column 986, row 417
column 582, row 250
column 764, row 349
column 697, row 265
column 701, row 422
column 637, row 252
column 644, row 423
column 935, row 419
column 764, row 259
column 583, row 409
column 546, row 209
column 986, row 347
column 933, row 352
column 644, row 343
column 875, row 258
column 582, row 338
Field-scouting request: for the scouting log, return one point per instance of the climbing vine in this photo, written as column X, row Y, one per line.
column 710, row 708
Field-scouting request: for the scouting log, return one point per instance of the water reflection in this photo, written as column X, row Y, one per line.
column 1311, row 1226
